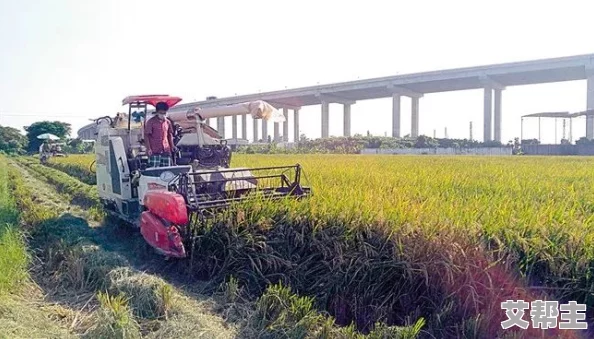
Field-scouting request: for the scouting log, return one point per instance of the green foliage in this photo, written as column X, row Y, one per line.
column 14, row 259
column 354, row 145
column 77, row 146
column 584, row 141
column 536, row 142
column 11, row 140
column 58, row 128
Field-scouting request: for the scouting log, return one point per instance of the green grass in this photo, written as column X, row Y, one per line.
column 23, row 312
column 14, row 259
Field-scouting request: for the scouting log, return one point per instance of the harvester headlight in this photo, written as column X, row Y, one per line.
column 167, row 176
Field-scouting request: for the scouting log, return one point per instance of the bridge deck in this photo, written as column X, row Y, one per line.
column 507, row 74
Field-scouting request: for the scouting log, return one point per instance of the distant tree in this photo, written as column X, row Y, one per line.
column 530, row 142
column 58, row 128
column 516, row 146
column 424, row 141
column 584, row 141
column 77, row 146
column 11, row 140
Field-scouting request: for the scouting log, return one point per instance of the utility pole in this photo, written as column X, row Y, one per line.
column 445, row 132
column 471, row 131
column 434, row 135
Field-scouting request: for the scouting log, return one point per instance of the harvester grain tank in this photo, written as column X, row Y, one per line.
column 165, row 201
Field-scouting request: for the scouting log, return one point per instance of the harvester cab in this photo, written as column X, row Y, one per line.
column 165, row 202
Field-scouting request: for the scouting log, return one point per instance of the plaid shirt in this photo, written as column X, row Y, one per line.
column 157, row 132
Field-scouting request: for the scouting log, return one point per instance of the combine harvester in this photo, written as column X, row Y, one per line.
column 166, row 202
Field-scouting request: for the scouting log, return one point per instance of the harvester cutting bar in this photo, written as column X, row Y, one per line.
column 214, row 189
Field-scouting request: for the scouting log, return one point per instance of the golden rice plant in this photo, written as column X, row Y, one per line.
column 403, row 237
column 80, row 166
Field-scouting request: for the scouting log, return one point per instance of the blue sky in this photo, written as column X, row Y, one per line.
column 75, row 60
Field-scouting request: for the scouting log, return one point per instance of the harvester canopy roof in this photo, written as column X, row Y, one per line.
column 152, row 99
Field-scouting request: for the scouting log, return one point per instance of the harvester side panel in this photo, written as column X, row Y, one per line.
column 113, row 175
column 116, row 184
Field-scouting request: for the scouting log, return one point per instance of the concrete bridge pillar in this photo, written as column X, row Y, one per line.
column 590, row 102
column 221, row 126
column 414, row 119
column 325, row 119
column 296, row 125
column 264, row 130
column 286, row 125
column 396, row 115
column 487, row 114
column 497, row 115
column 234, row 126
column 244, row 126
column 255, row 127
column 276, row 132
column 491, row 132
column 346, row 120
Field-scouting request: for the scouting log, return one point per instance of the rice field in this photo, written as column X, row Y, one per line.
column 400, row 238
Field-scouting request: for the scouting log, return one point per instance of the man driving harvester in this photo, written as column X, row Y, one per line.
column 158, row 133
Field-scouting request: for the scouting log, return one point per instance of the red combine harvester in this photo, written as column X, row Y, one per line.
column 164, row 201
